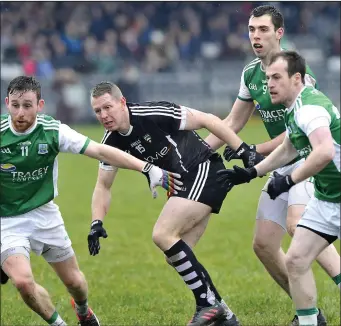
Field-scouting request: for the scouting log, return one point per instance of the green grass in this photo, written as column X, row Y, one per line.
column 129, row 281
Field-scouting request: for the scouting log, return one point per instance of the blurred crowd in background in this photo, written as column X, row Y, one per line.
column 101, row 36
column 61, row 41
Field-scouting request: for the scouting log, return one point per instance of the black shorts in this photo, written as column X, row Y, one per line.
column 200, row 184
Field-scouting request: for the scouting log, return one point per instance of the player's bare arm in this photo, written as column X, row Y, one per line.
column 323, row 152
column 282, row 155
column 267, row 147
column 120, row 159
column 197, row 120
column 114, row 156
column 240, row 114
column 101, row 196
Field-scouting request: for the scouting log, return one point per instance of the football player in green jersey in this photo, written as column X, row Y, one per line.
column 30, row 220
column 273, row 218
column 312, row 131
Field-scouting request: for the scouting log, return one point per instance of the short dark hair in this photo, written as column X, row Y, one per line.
column 276, row 16
column 22, row 84
column 105, row 87
column 296, row 63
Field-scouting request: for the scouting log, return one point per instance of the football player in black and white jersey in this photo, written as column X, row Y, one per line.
column 162, row 133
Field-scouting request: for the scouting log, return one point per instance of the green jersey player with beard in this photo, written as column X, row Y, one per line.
column 30, row 220
column 274, row 217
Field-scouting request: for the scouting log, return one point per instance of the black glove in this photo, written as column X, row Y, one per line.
column 246, row 153
column 97, row 230
column 279, row 184
column 4, row 277
column 237, row 176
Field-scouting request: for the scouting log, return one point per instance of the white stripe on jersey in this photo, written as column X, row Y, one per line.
column 156, row 110
column 177, row 151
column 106, row 135
column 157, row 113
column 199, row 181
column 5, row 127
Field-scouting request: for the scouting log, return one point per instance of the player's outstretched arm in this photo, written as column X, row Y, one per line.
column 236, row 120
column 282, row 155
column 155, row 176
column 113, row 156
column 196, row 120
column 279, row 157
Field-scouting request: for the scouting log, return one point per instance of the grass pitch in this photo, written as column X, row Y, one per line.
column 129, row 281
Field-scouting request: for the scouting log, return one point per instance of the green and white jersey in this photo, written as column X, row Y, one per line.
column 28, row 162
column 253, row 87
column 312, row 110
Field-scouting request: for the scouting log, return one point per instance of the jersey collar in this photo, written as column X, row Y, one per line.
column 128, row 133
column 297, row 97
column 28, row 131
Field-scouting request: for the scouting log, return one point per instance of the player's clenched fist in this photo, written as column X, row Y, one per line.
column 158, row 177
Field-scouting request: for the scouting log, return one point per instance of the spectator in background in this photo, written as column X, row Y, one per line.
column 127, row 30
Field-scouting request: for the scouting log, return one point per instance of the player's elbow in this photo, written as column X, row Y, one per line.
column 330, row 153
column 327, row 151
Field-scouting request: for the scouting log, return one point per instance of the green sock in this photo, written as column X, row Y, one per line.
column 337, row 280
column 56, row 320
column 307, row 317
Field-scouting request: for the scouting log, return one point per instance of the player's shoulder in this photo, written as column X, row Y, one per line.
column 48, row 123
column 151, row 105
column 47, row 118
column 311, row 99
column 251, row 66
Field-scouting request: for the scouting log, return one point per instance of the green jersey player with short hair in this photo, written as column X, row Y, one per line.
column 274, row 217
column 30, row 220
column 312, row 131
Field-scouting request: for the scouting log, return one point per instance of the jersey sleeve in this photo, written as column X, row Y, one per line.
column 311, row 117
column 167, row 116
column 72, row 141
column 244, row 93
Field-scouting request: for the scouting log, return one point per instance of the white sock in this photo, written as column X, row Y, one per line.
column 229, row 313
column 310, row 320
column 59, row 322
column 339, row 285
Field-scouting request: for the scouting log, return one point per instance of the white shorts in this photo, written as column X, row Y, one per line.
column 276, row 210
column 41, row 230
column 322, row 216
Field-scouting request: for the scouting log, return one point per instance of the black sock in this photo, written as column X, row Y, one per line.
column 184, row 261
column 210, row 283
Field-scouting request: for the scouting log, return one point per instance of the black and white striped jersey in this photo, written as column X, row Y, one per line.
column 157, row 136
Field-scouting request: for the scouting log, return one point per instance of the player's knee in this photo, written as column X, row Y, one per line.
column 159, row 237
column 75, row 281
column 24, row 283
column 295, row 262
column 261, row 246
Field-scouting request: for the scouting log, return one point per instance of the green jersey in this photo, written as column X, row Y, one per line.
column 312, row 110
column 253, row 87
column 28, row 162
